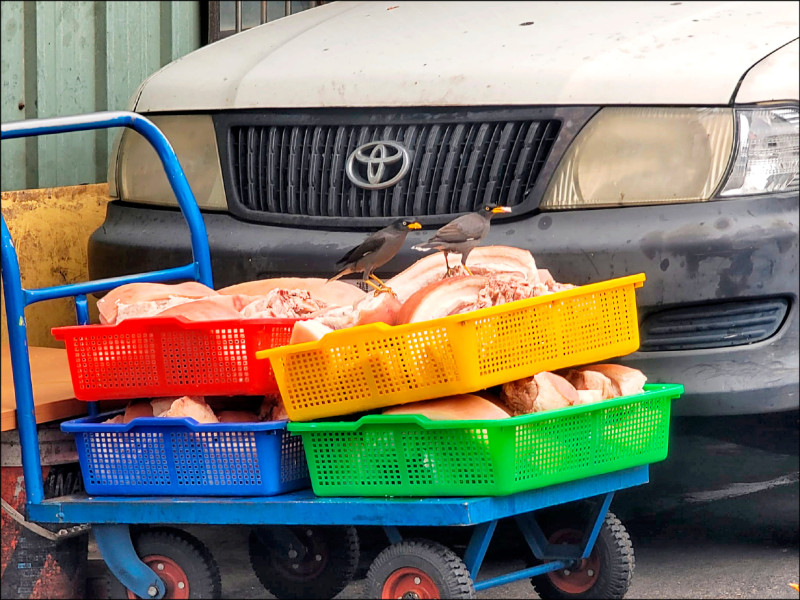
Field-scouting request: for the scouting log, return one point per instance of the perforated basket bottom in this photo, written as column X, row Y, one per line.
column 184, row 462
column 492, row 458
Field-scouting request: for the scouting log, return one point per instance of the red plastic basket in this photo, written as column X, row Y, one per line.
column 168, row 356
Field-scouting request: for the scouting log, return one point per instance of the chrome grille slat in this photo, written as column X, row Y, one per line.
column 513, row 163
column 499, row 164
column 337, row 173
column 528, row 149
column 449, row 171
column 294, row 169
column 293, row 172
column 487, row 163
column 426, row 170
column 462, row 168
column 282, row 183
column 327, row 158
column 413, row 175
column 544, row 134
column 315, row 172
column 470, row 185
column 262, row 169
column 410, row 137
column 272, row 172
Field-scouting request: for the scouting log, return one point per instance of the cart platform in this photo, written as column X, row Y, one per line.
column 303, row 507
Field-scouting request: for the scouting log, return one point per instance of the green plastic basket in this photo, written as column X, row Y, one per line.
column 411, row 455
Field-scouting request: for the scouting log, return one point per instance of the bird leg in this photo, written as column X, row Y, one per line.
column 385, row 290
column 379, row 289
column 374, row 286
column 375, row 277
column 450, row 270
column 466, row 269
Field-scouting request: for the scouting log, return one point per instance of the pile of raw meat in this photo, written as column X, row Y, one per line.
column 500, row 274
column 270, row 408
column 541, row 392
column 289, row 297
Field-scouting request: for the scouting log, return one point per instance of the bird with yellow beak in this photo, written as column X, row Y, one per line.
column 375, row 251
column 463, row 233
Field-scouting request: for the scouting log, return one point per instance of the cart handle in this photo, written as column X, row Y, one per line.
column 17, row 298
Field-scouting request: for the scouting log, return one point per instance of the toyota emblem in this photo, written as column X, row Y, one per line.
column 378, row 165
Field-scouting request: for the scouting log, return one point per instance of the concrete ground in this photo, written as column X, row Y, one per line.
column 719, row 519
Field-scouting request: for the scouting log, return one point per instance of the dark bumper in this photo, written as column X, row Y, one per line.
column 694, row 253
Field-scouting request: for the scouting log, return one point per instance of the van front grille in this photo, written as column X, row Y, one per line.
column 454, row 167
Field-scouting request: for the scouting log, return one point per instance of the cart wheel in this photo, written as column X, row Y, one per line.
column 418, row 568
column 330, row 561
column 182, row 562
column 605, row 574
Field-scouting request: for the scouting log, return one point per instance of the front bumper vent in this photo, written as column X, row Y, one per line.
column 713, row 325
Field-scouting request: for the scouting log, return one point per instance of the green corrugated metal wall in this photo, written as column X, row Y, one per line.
column 65, row 58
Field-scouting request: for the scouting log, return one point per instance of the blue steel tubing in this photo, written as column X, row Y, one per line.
column 101, row 285
column 115, row 546
column 598, row 524
column 21, row 369
column 17, row 299
column 517, row 575
column 478, row 544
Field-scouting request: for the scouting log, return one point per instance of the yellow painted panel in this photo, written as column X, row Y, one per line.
column 51, row 228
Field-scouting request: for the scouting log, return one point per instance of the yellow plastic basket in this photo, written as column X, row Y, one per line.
column 371, row 366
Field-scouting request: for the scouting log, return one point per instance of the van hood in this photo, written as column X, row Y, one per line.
column 479, row 53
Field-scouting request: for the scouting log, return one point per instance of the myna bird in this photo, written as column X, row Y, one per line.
column 375, row 251
column 463, row 233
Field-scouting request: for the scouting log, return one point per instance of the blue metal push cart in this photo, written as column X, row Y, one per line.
column 301, row 545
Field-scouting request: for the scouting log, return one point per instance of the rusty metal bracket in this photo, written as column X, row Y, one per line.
column 57, row 536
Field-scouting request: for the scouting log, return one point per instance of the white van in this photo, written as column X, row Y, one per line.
column 628, row 137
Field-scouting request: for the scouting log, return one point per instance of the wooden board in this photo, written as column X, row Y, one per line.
column 53, row 396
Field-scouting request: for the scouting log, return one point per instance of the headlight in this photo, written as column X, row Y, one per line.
column 767, row 157
column 137, row 174
column 636, row 156
column 627, row 156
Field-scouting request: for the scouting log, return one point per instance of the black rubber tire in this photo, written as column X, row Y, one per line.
column 338, row 548
column 615, row 553
column 186, row 550
column 443, row 566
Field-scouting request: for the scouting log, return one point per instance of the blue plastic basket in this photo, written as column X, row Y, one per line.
column 159, row 456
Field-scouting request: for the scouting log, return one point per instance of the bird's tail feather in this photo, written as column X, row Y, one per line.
column 340, row 274
column 425, row 246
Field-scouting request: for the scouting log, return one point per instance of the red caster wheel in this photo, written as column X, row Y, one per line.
column 605, row 574
column 417, row 569
column 182, row 562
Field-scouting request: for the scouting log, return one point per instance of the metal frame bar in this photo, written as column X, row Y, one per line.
column 393, row 534
column 115, row 546
column 517, row 575
column 478, row 544
column 17, row 298
column 558, row 556
column 598, row 518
